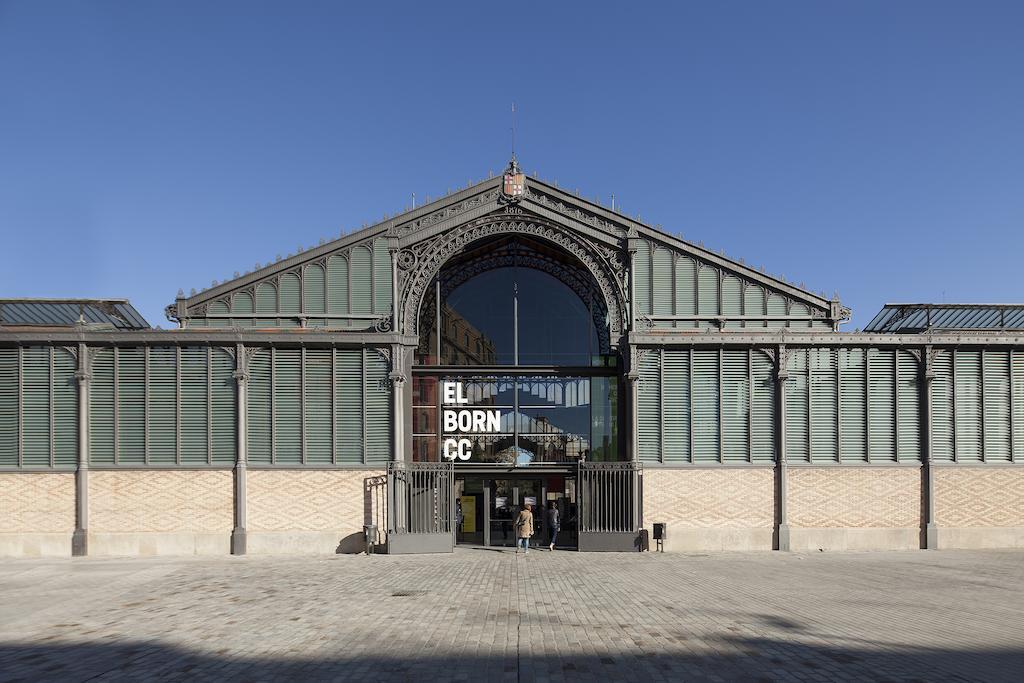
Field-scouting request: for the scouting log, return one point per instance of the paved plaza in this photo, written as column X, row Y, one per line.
column 488, row 615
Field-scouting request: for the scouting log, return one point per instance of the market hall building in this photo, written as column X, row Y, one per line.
column 509, row 343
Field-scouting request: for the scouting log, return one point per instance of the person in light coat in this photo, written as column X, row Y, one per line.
column 524, row 528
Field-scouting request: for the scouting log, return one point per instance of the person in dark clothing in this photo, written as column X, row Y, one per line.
column 554, row 523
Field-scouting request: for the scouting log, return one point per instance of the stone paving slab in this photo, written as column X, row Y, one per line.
column 488, row 615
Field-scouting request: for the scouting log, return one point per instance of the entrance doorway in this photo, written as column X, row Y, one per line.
column 488, row 506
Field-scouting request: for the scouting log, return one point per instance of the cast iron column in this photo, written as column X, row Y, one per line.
column 241, row 374
column 931, row 531
column 80, row 537
column 397, row 377
column 782, row 374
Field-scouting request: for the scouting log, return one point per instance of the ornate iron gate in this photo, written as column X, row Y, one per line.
column 421, row 507
column 610, row 505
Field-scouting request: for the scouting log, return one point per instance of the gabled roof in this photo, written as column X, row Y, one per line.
column 541, row 197
column 96, row 313
column 917, row 318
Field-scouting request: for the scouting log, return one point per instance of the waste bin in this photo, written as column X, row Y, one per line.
column 370, row 534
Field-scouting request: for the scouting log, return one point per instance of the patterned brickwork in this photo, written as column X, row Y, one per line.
column 979, row 496
column 317, row 500
column 710, row 498
column 161, row 501
column 854, row 497
column 37, row 502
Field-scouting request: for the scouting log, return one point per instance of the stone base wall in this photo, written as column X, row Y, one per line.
column 160, row 512
column 979, row 507
column 855, row 508
column 712, row 509
column 37, row 513
column 314, row 511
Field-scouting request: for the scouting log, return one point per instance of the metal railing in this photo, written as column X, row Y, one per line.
column 421, row 497
column 610, row 496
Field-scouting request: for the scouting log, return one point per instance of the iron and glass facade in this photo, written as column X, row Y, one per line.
column 635, row 377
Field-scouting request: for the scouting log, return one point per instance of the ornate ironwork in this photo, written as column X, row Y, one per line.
column 434, row 253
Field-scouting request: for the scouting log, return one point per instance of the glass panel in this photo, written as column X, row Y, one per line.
column 604, row 425
column 479, row 322
column 424, row 390
column 424, row 449
column 424, row 421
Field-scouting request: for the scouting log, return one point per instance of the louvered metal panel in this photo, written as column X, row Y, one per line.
column 967, row 388
column 707, row 291
column 361, row 279
column 337, row 286
column 686, row 289
column 754, row 304
column 853, row 416
column 195, row 446
column 996, row 408
column 317, row 402
column 377, row 393
column 223, row 408
column 162, row 409
column 1017, row 402
column 290, row 293
column 381, row 277
column 288, row 406
column 348, row 388
column 649, row 423
column 881, row 405
column 661, row 276
column 642, row 278
column 732, row 300
column 797, row 447
column 101, row 408
column 823, row 408
column 706, row 417
column 218, row 308
column 65, row 409
column 259, row 410
column 676, row 394
column 762, row 418
column 35, row 411
column 735, row 405
column 908, row 407
column 131, row 406
column 799, row 309
column 266, row 302
column 242, row 303
column 9, row 397
column 942, row 407
column 776, row 306
column 313, row 294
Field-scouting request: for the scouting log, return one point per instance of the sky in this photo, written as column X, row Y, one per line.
column 874, row 149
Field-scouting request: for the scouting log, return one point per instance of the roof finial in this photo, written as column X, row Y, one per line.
column 513, row 162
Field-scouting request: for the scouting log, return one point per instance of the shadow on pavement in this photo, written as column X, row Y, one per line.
column 740, row 659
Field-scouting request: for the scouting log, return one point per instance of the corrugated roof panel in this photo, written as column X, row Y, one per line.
column 911, row 318
column 117, row 313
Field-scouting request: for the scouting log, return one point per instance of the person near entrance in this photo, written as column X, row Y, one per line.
column 554, row 523
column 524, row 528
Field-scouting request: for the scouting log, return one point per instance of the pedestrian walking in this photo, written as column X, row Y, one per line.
column 524, row 529
column 554, row 523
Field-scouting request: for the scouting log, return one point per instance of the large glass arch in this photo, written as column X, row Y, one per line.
column 522, row 328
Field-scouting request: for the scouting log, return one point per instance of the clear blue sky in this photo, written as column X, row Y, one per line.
column 874, row 148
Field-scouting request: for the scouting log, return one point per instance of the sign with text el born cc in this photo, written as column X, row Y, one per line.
column 466, row 421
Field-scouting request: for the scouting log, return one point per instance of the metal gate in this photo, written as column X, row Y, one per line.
column 421, row 509
column 610, row 498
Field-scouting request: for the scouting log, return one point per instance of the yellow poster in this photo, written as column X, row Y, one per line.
column 468, row 514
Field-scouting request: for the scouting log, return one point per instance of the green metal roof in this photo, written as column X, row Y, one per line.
column 116, row 313
column 915, row 318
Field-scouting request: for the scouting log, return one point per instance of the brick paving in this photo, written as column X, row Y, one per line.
column 487, row 615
